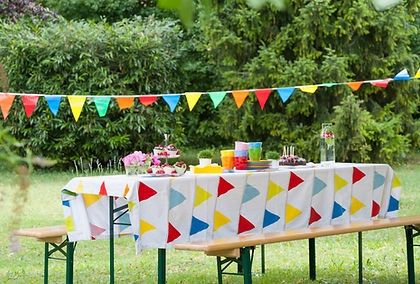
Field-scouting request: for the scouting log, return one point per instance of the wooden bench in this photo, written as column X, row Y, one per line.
column 238, row 248
column 53, row 236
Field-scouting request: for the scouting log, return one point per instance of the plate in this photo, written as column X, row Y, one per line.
column 166, row 175
column 167, row 156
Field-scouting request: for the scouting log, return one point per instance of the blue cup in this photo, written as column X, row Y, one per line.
column 241, row 153
column 254, row 145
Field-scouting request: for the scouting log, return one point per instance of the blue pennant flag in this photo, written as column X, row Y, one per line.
column 53, row 103
column 172, row 101
column 285, row 93
column 402, row 75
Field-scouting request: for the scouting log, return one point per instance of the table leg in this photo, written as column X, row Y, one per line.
column 312, row 259
column 111, row 240
column 161, row 266
column 46, row 254
column 69, row 263
column 246, row 265
column 410, row 254
column 359, row 237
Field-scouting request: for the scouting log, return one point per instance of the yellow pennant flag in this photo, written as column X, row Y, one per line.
column 192, row 99
column 309, row 89
column 417, row 76
column 76, row 105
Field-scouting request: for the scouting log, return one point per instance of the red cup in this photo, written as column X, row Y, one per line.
column 241, row 163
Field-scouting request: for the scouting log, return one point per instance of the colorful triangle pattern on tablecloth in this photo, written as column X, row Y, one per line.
column 224, row 187
column 175, row 198
column 79, row 188
column 396, row 182
column 291, row 213
column 378, row 180
column 244, row 225
column 273, row 189
column 295, row 180
column 393, row 204
column 249, row 193
column 90, row 199
column 339, row 182
column 173, row 233
column 201, row 195
column 318, row 186
column 338, row 210
column 124, row 219
column 197, row 226
column 375, row 209
column 95, row 230
column 269, row 218
column 356, row 205
column 135, row 237
column 66, row 203
column 126, row 190
column 220, row 220
column 145, row 227
column 145, row 192
column 357, row 175
column 314, row 216
column 103, row 191
column 69, row 224
column 130, row 205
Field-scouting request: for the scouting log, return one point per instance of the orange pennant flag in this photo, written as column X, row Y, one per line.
column 147, row 100
column 355, row 85
column 5, row 104
column 125, row 102
column 29, row 103
column 239, row 97
column 262, row 96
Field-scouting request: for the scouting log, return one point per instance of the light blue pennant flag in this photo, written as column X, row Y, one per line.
column 217, row 97
column 53, row 103
column 285, row 93
column 101, row 104
column 172, row 101
column 402, row 75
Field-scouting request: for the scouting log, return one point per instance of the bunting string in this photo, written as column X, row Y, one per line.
column 126, row 101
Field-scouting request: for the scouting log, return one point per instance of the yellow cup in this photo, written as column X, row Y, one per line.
column 227, row 153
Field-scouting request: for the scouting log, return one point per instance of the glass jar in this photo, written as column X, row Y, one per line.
column 327, row 147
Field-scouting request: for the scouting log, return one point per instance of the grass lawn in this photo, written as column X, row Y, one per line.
column 384, row 251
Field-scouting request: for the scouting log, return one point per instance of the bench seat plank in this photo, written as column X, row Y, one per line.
column 51, row 234
column 299, row 234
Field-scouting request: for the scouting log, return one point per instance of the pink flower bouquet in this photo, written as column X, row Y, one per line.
column 138, row 163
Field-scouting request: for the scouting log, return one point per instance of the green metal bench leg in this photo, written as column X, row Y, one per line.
column 262, row 259
column 46, row 256
column 246, row 265
column 219, row 270
column 161, row 266
column 312, row 259
column 69, row 263
column 111, row 240
column 410, row 254
column 360, row 246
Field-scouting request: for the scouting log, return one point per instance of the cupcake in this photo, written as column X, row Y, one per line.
column 168, row 169
column 171, row 150
column 156, row 168
column 180, row 167
column 159, row 150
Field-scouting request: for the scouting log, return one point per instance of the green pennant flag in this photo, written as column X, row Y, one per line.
column 217, row 97
column 101, row 104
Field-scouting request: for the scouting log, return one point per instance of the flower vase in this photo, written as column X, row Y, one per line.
column 327, row 144
column 131, row 170
column 143, row 169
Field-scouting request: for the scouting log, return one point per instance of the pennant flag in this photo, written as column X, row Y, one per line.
column 318, row 186
column 69, row 224
column 244, row 225
column 217, row 97
column 224, row 187
column 329, row 84
column 291, row 213
column 130, row 205
column 309, row 89
column 145, row 227
column 378, row 180
column 101, row 104
column 356, row 205
column 402, row 75
column 375, row 209
column 357, row 175
column 175, row 198
column 76, row 105
column 393, row 204
column 294, row 181
column 127, row 189
column 124, row 218
column 5, row 104
column 396, row 182
column 314, row 216
column 90, row 199
column 125, row 102
column 197, row 226
column 240, row 97
column 381, row 83
column 269, row 218
column 147, row 100
column 338, row 210
column 285, row 93
column 273, row 190
column 172, row 101
column 192, row 99
column 145, row 192
column 29, row 103
column 79, row 188
column 53, row 103
column 95, row 230
column 339, row 183
column 173, row 233
column 355, row 85
column 219, row 220
column 417, row 76
column 66, row 203
column 262, row 96
column 102, row 191
column 249, row 193
column 201, row 195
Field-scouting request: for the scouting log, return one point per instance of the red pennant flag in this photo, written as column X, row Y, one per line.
column 224, row 187
column 5, row 104
column 355, row 85
column 147, row 100
column 294, row 180
column 381, row 83
column 375, row 208
column 173, row 233
column 29, row 103
column 239, row 97
column 262, row 96
column 357, row 175
column 125, row 102
column 145, row 192
column 314, row 216
column 102, row 191
column 244, row 225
